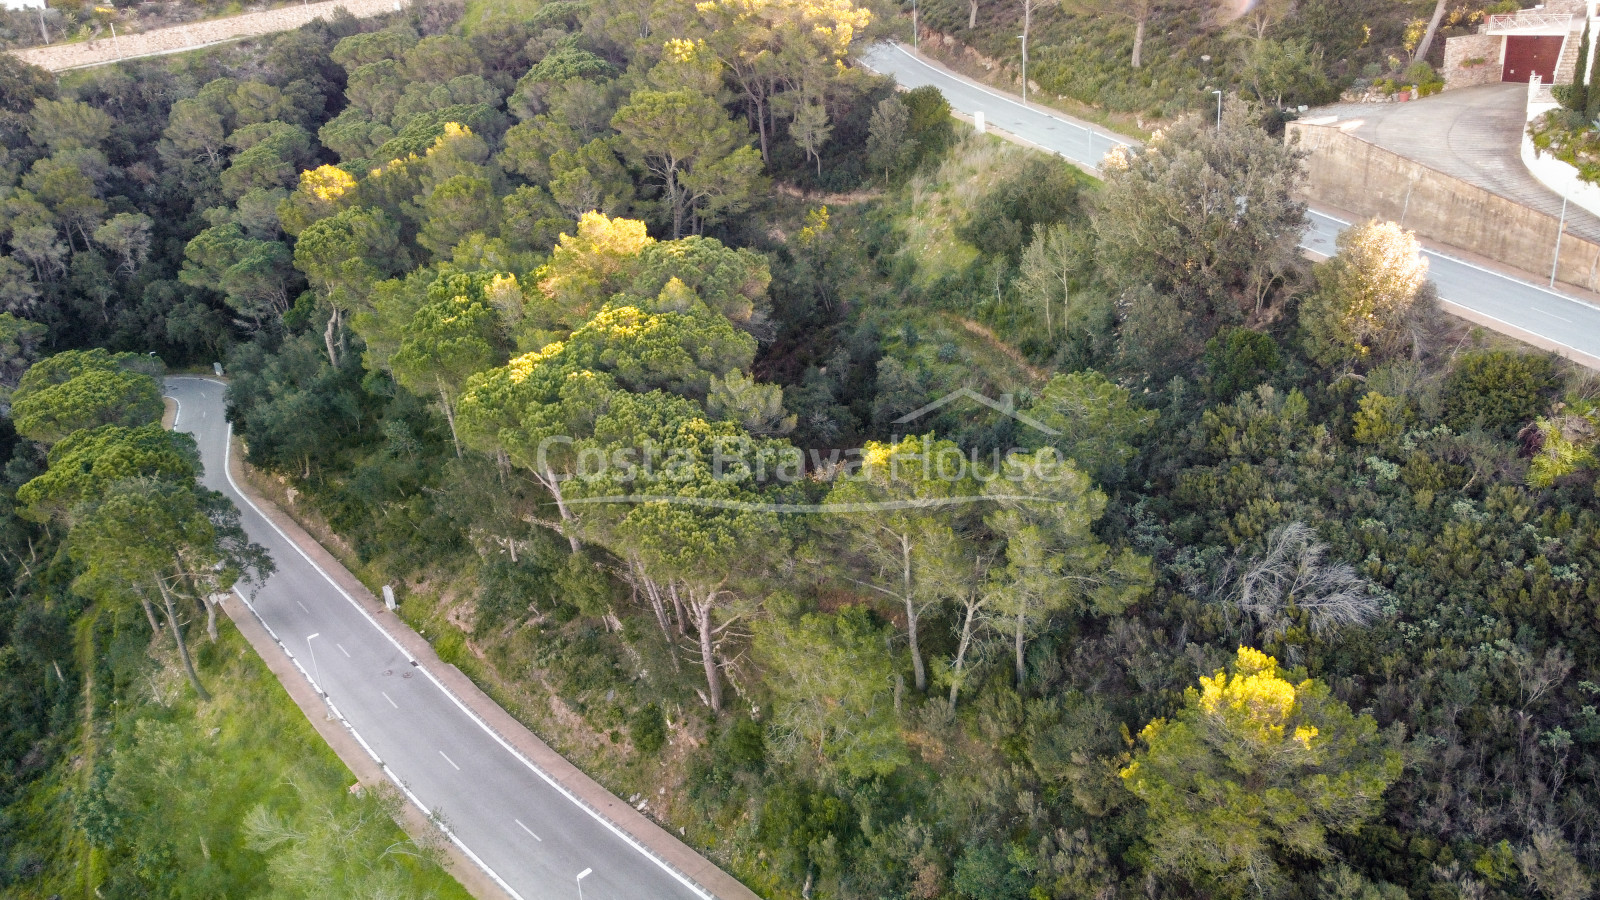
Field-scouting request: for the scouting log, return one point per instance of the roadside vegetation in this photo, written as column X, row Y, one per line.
column 1568, row 132
column 1143, row 62
column 150, row 750
column 1306, row 610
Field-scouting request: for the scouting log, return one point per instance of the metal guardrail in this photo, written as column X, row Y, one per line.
column 1529, row 22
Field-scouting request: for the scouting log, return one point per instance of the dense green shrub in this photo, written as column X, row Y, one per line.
column 647, row 728
column 1498, row 390
column 1043, row 192
column 1238, row 359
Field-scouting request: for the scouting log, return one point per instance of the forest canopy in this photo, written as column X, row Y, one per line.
column 1255, row 577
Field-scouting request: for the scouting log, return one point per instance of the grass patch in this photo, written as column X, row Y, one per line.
column 478, row 12
column 239, row 797
column 936, row 205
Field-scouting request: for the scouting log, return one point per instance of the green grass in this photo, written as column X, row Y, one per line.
column 177, row 781
column 479, row 11
column 936, row 205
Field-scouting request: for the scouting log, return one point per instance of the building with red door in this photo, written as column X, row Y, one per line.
column 1518, row 47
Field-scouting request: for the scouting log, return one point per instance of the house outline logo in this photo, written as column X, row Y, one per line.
column 1006, row 406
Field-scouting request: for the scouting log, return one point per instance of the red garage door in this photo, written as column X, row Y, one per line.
column 1527, row 55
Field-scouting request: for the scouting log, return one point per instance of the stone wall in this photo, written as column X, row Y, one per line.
column 1346, row 172
column 195, row 34
column 1457, row 50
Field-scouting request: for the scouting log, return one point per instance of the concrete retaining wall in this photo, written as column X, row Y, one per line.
column 178, row 38
column 1457, row 50
column 1346, row 172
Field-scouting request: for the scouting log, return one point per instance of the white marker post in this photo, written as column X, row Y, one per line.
column 316, row 672
column 388, row 598
column 977, row 122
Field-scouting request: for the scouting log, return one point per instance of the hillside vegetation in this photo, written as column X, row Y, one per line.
column 1219, row 574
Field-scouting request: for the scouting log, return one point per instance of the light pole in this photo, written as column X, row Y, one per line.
column 581, row 876
column 316, row 673
column 916, row 29
column 1219, row 109
column 1560, row 230
column 1024, row 37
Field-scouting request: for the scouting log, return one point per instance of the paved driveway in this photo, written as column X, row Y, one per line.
column 1474, row 134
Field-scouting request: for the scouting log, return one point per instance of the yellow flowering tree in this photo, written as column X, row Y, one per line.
column 1256, row 768
column 322, row 192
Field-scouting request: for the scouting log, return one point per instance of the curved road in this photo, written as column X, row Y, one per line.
column 1505, row 303
column 528, row 834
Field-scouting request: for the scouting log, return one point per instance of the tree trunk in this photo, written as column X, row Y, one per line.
column 653, row 591
column 972, row 14
column 1022, row 669
column 211, row 620
column 678, row 611
column 449, row 416
column 1138, row 41
column 328, row 338
column 553, row 485
column 1433, row 26
column 761, row 123
column 961, row 651
column 675, row 197
column 150, row 613
column 177, row 637
column 919, row 672
column 708, row 652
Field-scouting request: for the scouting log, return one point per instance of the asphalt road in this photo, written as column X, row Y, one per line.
column 530, row 836
column 1515, row 304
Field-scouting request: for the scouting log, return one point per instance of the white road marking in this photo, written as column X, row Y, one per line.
column 450, row 761
column 1550, row 314
column 528, row 830
column 390, row 699
column 302, row 606
column 343, row 650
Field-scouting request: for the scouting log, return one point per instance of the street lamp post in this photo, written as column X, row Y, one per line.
column 581, row 876
column 1560, row 230
column 1219, row 109
column 1024, row 37
column 916, row 28
column 316, row 673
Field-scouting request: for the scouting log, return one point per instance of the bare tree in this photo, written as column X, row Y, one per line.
column 1550, row 868
column 1293, row 576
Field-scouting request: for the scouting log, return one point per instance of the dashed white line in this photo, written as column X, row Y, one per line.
column 528, row 830
column 343, row 650
column 446, row 758
column 1550, row 314
column 390, row 699
column 302, row 606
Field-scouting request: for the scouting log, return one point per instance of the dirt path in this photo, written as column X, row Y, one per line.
column 789, row 190
column 994, row 341
column 194, row 35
